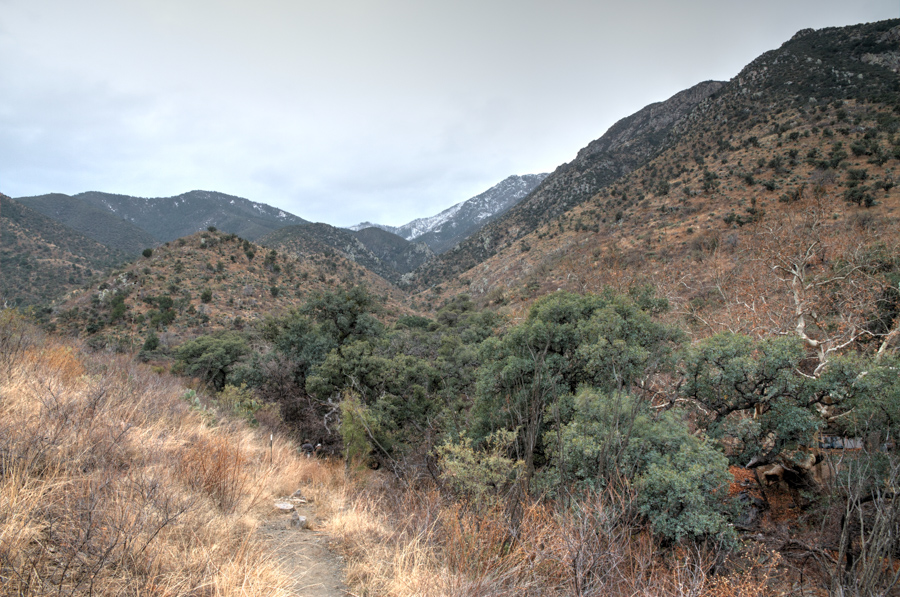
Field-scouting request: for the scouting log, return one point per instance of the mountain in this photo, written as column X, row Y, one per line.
column 41, row 259
column 785, row 92
column 95, row 222
column 769, row 207
column 628, row 144
column 394, row 251
column 377, row 250
column 307, row 239
column 444, row 230
column 168, row 218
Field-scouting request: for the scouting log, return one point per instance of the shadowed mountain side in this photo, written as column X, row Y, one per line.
column 97, row 223
column 168, row 218
column 41, row 259
column 395, row 252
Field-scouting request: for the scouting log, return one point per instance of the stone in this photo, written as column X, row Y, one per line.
column 299, row 522
column 750, row 509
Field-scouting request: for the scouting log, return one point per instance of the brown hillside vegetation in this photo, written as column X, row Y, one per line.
column 206, row 282
column 112, row 483
column 817, row 116
column 725, row 242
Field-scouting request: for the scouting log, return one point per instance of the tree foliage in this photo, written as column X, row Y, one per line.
column 752, row 392
column 212, row 357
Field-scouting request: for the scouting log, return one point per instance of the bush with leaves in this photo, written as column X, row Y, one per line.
column 213, row 357
column 608, row 340
column 240, row 401
column 480, row 476
column 617, row 440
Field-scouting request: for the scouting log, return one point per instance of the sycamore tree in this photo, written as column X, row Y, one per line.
column 813, row 272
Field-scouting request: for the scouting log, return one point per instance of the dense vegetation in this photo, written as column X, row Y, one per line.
column 589, row 394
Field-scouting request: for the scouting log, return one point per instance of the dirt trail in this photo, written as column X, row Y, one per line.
column 305, row 554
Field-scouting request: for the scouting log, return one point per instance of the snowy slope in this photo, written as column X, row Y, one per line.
column 443, row 230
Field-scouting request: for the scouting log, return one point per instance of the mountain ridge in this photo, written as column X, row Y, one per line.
column 622, row 148
column 445, row 229
column 42, row 259
column 169, row 218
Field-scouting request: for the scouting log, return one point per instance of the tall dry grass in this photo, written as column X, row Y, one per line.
column 425, row 544
column 110, row 484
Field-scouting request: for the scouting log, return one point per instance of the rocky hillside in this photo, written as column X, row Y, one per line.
column 379, row 251
column 807, row 75
column 307, row 239
column 762, row 190
column 40, row 259
column 168, row 218
column 444, row 230
column 627, row 145
column 201, row 283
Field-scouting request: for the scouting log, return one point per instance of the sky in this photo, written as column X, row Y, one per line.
column 343, row 111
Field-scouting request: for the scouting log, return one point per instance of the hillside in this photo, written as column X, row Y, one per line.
column 307, row 239
column 760, row 187
column 627, row 145
column 96, row 223
column 168, row 218
column 671, row 369
column 41, row 260
column 119, row 480
column 205, row 282
column 399, row 254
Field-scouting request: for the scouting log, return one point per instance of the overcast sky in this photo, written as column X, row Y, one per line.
column 349, row 110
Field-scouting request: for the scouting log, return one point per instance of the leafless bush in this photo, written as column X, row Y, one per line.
column 424, row 545
column 869, row 540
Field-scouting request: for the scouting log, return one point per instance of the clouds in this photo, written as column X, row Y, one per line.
column 352, row 109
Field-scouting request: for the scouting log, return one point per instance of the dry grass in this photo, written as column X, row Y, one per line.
column 423, row 545
column 111, row 485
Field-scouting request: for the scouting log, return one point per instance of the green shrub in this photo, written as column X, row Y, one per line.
column 212, row 357
column 617, row 440
column 240, row 401
column 151, row 343
column 479, row 475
